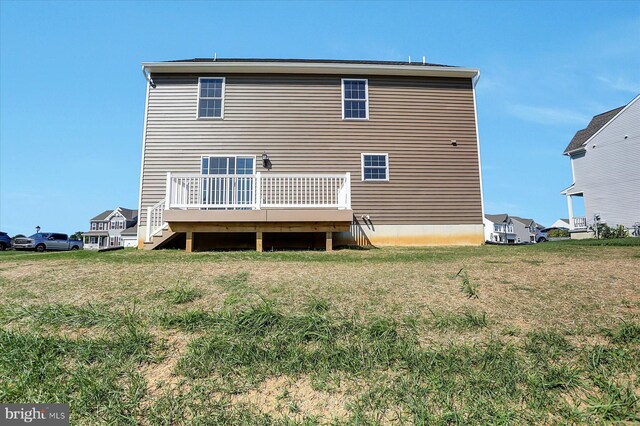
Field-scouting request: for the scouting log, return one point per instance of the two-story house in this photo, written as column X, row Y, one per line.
column 110, row 229
column 526, row 230
column 261, row 152
column 499, row 229
column 605, row 165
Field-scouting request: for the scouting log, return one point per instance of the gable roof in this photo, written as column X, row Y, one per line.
column 524, row 221
column 497, row 218
column 103, row 215
column 127, row 213
column 596, row 123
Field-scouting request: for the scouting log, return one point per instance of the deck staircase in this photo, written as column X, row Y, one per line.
column 159, row 240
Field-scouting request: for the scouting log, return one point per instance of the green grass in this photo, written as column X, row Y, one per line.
column 388, row 336
column 180, row 294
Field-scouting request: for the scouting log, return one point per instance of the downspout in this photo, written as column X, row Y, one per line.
column 474, row 81
column 147, row 76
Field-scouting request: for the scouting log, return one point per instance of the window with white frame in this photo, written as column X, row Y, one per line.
column 355, row 99
column 375, row 167
column 94, row 226
column 211, row 97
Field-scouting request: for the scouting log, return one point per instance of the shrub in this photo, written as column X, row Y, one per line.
column 558, row 233
column 606, row 232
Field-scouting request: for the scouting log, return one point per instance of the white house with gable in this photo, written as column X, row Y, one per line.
column 605, row 164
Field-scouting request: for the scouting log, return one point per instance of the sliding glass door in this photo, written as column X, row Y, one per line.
column 231, row 182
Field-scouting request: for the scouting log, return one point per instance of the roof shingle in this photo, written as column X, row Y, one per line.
column 596, row 123
column 311, row 61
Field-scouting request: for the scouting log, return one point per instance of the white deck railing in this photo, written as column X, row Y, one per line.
column 249, row 192
column 579, row 222
column 155, row 219
column 258, row 191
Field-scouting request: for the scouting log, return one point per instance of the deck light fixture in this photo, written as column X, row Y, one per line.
column 37, row 229
column 266, row 162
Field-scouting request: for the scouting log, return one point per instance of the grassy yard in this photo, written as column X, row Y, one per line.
column 548, row 333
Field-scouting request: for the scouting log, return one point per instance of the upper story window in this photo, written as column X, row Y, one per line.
column 497, row 228
column 375, row 167
column 100, row 226
column 211, row 97
column 355, row 99
column 94, row 226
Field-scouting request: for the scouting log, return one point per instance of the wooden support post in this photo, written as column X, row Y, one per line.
column 259, row 241
column 329, row 241
column 189, row 246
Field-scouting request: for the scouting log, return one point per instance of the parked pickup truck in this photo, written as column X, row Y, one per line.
column 46, row 241
column 5, row 241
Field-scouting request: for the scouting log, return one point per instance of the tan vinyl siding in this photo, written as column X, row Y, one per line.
column 297, row 120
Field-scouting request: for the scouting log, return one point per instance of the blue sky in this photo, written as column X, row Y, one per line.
column 72, row 94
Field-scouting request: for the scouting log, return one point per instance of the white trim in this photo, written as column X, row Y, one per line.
column 144, row 141
column 366, row 98
column 362, row 167
column 475, row 117
column 310, row 68
column 585, row 143
column 227, row 155
column 112, row 214
column 221, row 99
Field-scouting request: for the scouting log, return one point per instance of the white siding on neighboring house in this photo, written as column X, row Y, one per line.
column 560, row 223
column 609, row 171
column 522, row 232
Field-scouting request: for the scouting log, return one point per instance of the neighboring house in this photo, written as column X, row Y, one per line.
column 499, row 228
column 110, row 228
column 526, row 230
column 256, row 151
column 605, row 164
column 560, row 224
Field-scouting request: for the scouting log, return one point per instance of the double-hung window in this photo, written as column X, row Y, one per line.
column 211, row 97
column 375, row 167
column 355, row 99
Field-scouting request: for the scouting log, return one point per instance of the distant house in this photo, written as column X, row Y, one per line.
column 498, row 228
column 561, row 224
column 112, row 228
column 605, row 164
column 526, row 230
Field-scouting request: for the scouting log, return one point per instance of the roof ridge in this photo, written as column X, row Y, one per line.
column 607, row 112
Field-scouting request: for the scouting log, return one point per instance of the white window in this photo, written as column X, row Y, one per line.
column 355, row 99
column 375, row 167
column 211, row 97
column 93, row 226
column 100, row 226
column 496, row 227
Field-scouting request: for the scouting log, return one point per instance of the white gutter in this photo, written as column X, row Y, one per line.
column 147, row 76
column 309, row 68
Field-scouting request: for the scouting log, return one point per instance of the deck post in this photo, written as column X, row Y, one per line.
column 259, row 241
column 189, row 246
column 329, row 241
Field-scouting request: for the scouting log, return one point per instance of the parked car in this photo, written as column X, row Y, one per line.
column 5, row 241
column 541, row 236
column 47, row 241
